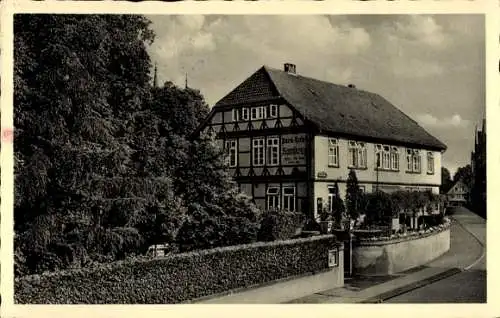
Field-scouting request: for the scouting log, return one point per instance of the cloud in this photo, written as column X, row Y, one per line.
column 415, row 68
column 421, row 29
column 455, row 121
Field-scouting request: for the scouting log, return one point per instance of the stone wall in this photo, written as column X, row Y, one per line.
column 386, row 257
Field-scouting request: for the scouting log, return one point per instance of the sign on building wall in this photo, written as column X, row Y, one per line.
column 293, row 149
column 333, row 258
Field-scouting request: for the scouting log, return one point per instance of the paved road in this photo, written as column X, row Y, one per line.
column 468, row 236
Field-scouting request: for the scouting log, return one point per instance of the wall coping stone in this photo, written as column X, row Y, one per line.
column 413, row 236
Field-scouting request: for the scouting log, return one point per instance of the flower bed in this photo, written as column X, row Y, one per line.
column 409, row 234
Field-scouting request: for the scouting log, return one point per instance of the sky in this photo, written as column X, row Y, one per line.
column 432, row 67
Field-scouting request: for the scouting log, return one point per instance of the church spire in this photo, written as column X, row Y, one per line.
column 186, row 82
column 155, row 78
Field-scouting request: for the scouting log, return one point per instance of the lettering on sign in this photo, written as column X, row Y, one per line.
column 293, row 149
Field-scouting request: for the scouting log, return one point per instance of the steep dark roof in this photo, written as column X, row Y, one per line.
column 333, row 108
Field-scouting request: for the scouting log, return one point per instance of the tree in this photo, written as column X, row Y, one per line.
column 445, row 180
column 183, row 108
column 103, row 166
column 353, row 195
column 465, row 175
column 78, row 79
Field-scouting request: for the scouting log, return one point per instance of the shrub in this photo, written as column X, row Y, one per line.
column 379, row 208
column 353, row 195
column 280, row 225
column 203, row 230
column 431, row 220
column 180, row 277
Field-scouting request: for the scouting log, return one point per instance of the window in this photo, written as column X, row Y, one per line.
column 289, row 199
column 273, row 149
column 258, row 152
column 254, row 113
column 333, row 152
column 273, row 196
column 357, row 154
column 408, row 159
column 416, row 162
column 331, row 195
column 231, row 151
column 273, row 111
column 394, row 158
column 387, row 157
column 413, row 160
column 244, row 113
column 378, row 156
column 430, row 162
column 258, row 112
column 261, row 112
column 235, row 114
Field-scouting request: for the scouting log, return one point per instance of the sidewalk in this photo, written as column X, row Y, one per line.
column 467, row 250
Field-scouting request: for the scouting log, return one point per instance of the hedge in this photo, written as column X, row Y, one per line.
column 178, row 278
column 280, row 225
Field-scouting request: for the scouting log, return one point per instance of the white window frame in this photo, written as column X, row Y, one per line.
column 273, row 196
column 331, row 195
column 258, row 148
column 273, row 150
column 262, row 111
column 413, row 161
column 289, row 199
column 333, row 152
column 273, row 111
column 430, row 162
column 258, row 112
column 378, row 156
column 235, row 112
column 386, row 158
column 394, row 159
column 232, row 152
column 409, row 160
column 357, row 154
column 253, row 113
column 244, row 113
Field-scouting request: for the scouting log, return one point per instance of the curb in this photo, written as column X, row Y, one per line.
column 410, row 287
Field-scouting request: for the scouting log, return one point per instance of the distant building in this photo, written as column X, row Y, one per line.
column 290, row 138
column 478, row 164
column 458, row 193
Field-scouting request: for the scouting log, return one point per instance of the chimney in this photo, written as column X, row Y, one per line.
column 290, row 68
column 351, row 86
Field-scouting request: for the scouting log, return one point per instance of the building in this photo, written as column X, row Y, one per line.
column 290, row 138
column 478, row 164
column 457, row 195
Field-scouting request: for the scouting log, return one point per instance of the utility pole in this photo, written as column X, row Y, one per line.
column 377, row 168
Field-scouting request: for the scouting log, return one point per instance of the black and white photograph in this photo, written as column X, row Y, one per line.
column 249, row 159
